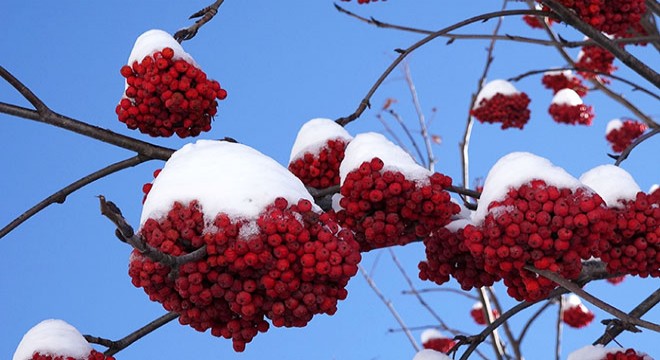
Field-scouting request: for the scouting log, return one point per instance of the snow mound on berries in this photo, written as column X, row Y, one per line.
column 493, row 88
column 611, row 183
column 155, row 40
column 515, row 169
column 224, row 177
column 429, row 334
column 428, row 354
column 572, row 300
column 314, row 134
column 653, row 188
column 53, row 337
column 477, row 305
column 459, row 224
column 614, row 124
column 567, row 73
column 591, row 352
column 367, row 146
column 567, row 97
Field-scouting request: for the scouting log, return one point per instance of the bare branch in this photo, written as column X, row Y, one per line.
column 60, row 196
column 559, row 328
column 25, row 91
column 403, row 125
column 613, row 331
column 205, row 16
column 533, row 318
column 420, row 118
column 488, row 316
column 624, row 155
column 515, row 345
column 440, row 289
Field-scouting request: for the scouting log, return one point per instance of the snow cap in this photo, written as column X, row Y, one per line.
column 459, row 224
column 611, row 183
column 598, row 352
column 567, row 97
column 156, row 40
column 514, row 170
column 224, row 177
column 477, row 305
column 572, row 300
column 567, row 73
column 493, row 88
column 53, row 337
column 367, row 146
column 614, row 124
column 430, row 334
column 428, row 354
column 314, row 134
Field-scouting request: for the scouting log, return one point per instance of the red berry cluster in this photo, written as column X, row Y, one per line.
column 622, row 137
column 440, row 344
column 509, row 110
column 558, row 81
column 616, row 280
column 571, row 114
column 383, row 208
column 289, row 265
column 447, row 254
column 544, row 226
column 595, row 59
column 634, row 248
column 147, row 186
column 93, row 355
column 166, row 96
column 627, row 354
column 577, row 316
column 614, row 17
column 536, row 22
column 479, row 316
column 320, row 170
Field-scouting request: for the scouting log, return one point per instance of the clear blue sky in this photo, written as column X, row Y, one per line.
column 283, row 63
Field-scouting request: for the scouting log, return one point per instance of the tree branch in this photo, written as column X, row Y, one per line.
column 624, row 155
column 613, row 331
column 205, row 15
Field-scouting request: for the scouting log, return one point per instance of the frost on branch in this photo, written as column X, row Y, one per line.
column 166, row 92
column 500, row 102
column 271, row 253
column 533, row 213
column 386, row 198
column 318, row 151
column 53, row 340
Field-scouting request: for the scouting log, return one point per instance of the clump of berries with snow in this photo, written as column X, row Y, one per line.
column 593, row 60
column 536, row 22
column 435, row 340
column 56, row 340
column 318, row 151
column 634, row 248
column 386, row 198
column 620, row 134
column 558, row 80
column 574, row 313
column 614, row 17
column 500, row 102
column 478, row 313
column 146, row 188
column 447, row 255
column 166, row 91
column 567, row 108
column 270, row 252
column 533, row 213
column 430, row 354
column 616, row 280
column 599, row 352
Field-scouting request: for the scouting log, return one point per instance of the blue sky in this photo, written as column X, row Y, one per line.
column 282, row 64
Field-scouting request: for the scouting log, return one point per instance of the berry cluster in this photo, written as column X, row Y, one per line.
column 93, row 355
column 571, row 114
column 288, row 265
column 147, row 186
column 383, row 208
column 575, row 314
column 447, row 254
column 536, row 22
column 614, row 17
column 620, row 137
column 563, row 80
column 478, row 314
column 627, row 354
column 436, row 340
column 543, row 226
column 165, row 95
column 320, row 170
column 593, row 60
column 616, row 280
column 635, row 246
column 509, row 110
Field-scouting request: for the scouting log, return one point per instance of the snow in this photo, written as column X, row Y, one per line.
column 477, row 305
column 493, row 88
column 314, row 134
column 367, row 146
column 514, row 170
column 611, row 183
column 614, row 124
column 223, row 177
column 567, row 73
column 456, row 225
column 653, row 188
column 465, row 213
column 428, row 354
column 156, row 40
column 597, row 352
column 429, row 334
column 53, row 337
column 572, row 300
column 567, row 97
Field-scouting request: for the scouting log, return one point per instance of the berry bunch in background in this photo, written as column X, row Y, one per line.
column 614, row 17
column 567, row 108
column 558, row 80
column 620, row 134
column 626, row 354
column 166, row 92
column 574, row 313
column 500, row 102
column 536, row 22
column 599, row 352
column 93, row 355
column 593, row 60
column 479, row 316
column 435, row 340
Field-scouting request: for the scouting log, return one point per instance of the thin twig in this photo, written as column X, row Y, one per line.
column 403, row 126
column 60, row 196
column 390, row 307
column 624, row 155
column 441, row 289
column 33, row 99
column 613, row 331
column 394, row 136
column 507, row 329
column 205, row 16
column 420, row 117
column 531, row 320
column 121, row 344
column 403, row 53
column 559, row 328
column 498, row 348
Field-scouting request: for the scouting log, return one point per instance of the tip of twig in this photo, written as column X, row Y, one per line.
column 615, row 157
column 450, row 41
column 400, row 51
